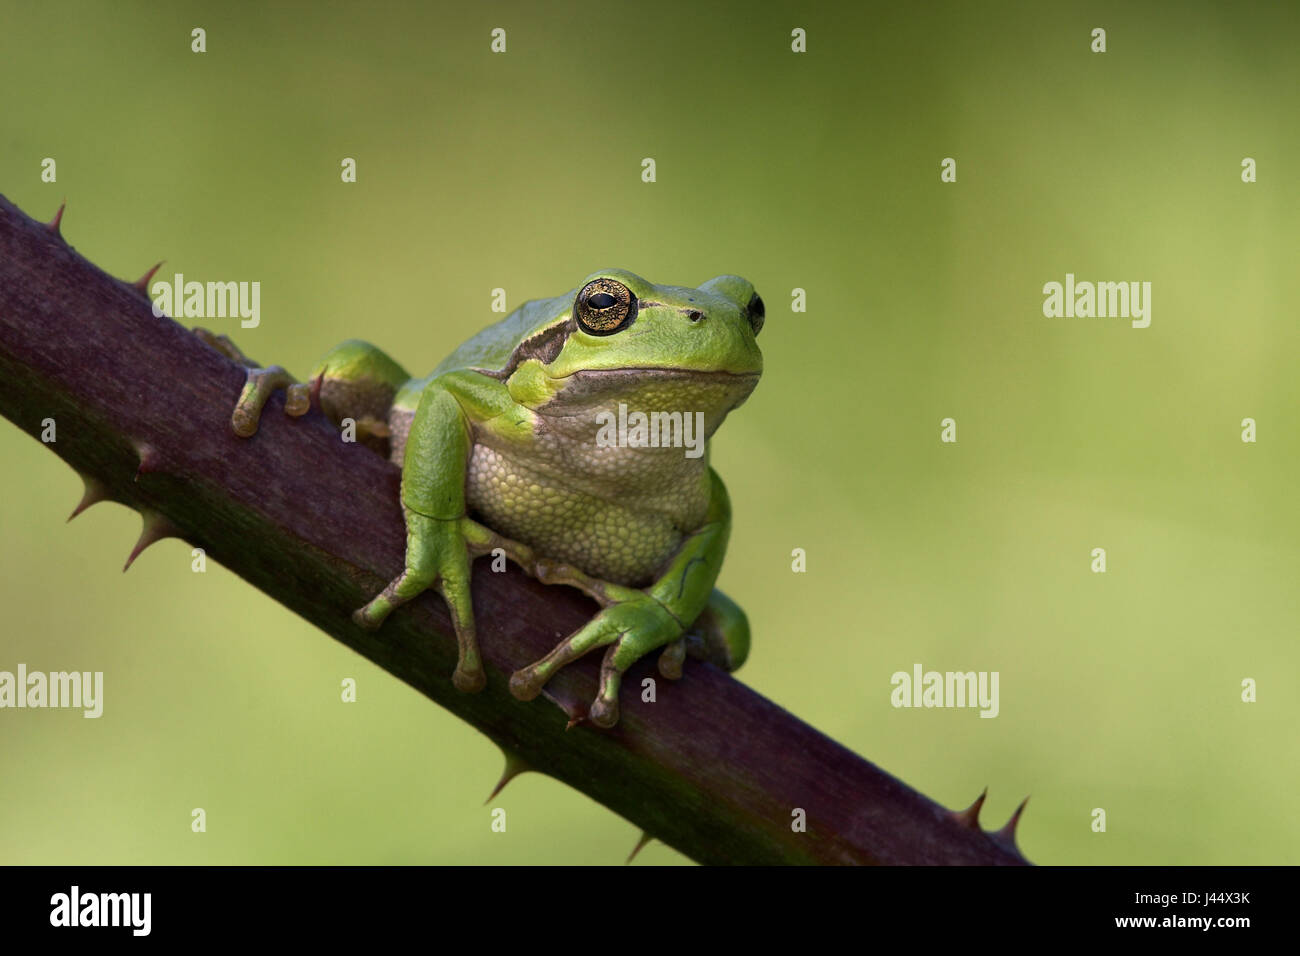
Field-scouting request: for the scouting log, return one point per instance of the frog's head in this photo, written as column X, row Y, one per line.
column 651, row 347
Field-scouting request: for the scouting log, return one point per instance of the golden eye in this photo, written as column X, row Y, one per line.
column 604, row 307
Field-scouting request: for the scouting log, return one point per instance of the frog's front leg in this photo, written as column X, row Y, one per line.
column 353, row 380
column 441, row 540
column 437, row 551
column 642, row 621
column 259, row 385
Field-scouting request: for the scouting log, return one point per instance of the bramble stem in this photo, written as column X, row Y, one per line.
column 712, row 768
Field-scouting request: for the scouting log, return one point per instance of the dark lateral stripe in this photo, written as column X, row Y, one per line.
column 544, row 345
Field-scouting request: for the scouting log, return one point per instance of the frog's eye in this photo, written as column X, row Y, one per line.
column 604, row 307
column 755, row 312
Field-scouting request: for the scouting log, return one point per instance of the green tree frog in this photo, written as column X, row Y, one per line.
column 508, row 445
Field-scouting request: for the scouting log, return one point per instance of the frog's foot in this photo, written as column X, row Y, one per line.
column 630, row 629
column 671, row 660
column 469, row 676
column 260, row 385
column 436, row 557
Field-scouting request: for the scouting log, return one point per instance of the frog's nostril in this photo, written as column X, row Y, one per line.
column 694, row 315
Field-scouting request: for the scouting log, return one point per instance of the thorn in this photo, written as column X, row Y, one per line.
column 156, row 527
column 515, row 765
column 970, row 817
column 53, row 224
column 142, row 284
column 1007, row 835
column 574, row 721
column 640, row 845
column 150, row 460
column 96, row 491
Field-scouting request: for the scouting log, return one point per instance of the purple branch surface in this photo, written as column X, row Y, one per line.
column 143, row 407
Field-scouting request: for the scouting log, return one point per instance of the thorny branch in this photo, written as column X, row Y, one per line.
column 143, row 414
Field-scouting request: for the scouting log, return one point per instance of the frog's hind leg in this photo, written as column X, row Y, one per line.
column 357, row 381
column 720, row 635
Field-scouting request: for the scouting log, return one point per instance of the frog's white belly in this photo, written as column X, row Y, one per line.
column 619, row 517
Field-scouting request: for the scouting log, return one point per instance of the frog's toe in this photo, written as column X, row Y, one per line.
column 670, row 661
column 469, row 677
column 259, row 386
column 469, row 680
column 366, row 618
column 604, row 709
column 403, row 588
column 630, row 647
column 603, row 713
column 525, row 684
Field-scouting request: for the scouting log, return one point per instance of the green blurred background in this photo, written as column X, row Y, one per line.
column 818, row 171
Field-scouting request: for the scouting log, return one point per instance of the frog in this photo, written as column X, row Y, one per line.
column 506, row 448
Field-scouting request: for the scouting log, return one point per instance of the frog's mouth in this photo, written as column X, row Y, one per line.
column 604, row 383
column 621, row 375
column 658, row 389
